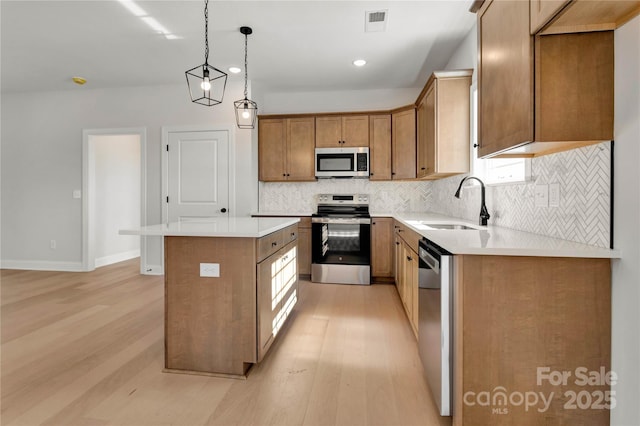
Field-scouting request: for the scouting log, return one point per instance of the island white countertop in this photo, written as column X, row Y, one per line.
column 496, row 241
column 241, row 227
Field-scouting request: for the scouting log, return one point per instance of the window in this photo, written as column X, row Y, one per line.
column 496, row 170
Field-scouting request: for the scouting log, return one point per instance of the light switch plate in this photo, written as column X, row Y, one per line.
column 554, row 195
column 210, row 270
column 77, row 193
column 542, row 196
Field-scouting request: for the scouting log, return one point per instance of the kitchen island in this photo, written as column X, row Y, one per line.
column 230, row 284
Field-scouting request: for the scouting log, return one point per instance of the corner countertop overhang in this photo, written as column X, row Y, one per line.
column 239, row 227
column 495, row 240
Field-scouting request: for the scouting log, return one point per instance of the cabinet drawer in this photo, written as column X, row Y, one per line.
column 407, row 234
column 289, row 234
column 269, row 244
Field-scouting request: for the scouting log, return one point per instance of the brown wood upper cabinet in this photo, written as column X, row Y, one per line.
column 336, row 131
column 570, row 16
column 403, row 144
column 380, row 147
column 443, row 124
column 286, row 149
column 566, row 103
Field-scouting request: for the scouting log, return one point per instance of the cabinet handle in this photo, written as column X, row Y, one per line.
column 288, row 174
column 475, row 145
column 273, row 244
column 373, row 223
column 400, row 230
column 393, row 173
column 371, row 174
column 397, row 243
column 409, row 258
column 284, row 174
column 423, row 168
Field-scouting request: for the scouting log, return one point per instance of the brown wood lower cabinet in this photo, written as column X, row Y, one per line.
column 222, row 325
column 382, row 256
column 406, row 272
column 277, row 293
column 528, row 331
column 304, row 246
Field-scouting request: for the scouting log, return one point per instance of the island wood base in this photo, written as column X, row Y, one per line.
column 212, row 324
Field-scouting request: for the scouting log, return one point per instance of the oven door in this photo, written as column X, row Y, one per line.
column 341, row 241
column 341, row 250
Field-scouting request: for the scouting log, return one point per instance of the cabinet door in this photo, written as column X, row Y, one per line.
column 430, row 131
column 399, row 264
column 271, row 149
column 543, row 10
column 269, row 286
column 505, row 65
column 421, row 139
column 380, row 147
column 403, row 141
column 301, row 149
column 328, row 132
column 355, row 130
column 304, row 250
column 382, row 253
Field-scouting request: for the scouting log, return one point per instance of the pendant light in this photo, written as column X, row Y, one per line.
column 206, row 83
column 246, row 110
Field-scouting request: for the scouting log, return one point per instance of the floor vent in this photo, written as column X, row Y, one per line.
column 375, row 21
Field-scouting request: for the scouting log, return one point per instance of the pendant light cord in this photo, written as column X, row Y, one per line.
column 206, row 32
column 246, row 71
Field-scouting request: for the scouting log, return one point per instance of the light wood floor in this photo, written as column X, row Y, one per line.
column 87, row 349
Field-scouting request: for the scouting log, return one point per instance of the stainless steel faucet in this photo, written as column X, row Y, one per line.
column 484, row 214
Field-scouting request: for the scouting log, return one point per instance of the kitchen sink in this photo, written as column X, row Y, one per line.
column 449, row 226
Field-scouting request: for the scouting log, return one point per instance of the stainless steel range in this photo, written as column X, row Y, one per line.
column 341, row 239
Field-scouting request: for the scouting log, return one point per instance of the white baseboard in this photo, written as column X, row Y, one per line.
column 42, row 265
column 118, row 257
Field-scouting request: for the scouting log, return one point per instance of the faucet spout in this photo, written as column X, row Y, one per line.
column 484, row 214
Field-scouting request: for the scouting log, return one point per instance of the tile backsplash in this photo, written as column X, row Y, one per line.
column 584, row 211
column 385, row 197
column 583, row 215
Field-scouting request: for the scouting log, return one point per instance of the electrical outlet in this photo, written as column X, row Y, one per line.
column 554, row 195
column 77, row 193
column 542, row 196
column 210, row 270
column 52, row 244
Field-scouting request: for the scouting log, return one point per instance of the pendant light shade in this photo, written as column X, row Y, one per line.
column 246, row 109
column 206, row 83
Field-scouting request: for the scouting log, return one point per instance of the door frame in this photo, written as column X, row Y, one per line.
column 88, row 213
column 166, row 130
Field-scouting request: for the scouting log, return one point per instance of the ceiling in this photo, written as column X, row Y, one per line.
column 295, row 46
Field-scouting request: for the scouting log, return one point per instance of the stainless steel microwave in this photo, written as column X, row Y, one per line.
column 342, row 162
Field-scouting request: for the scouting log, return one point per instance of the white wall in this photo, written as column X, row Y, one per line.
column 116, row 194
column 626, row 271
column 42, row 161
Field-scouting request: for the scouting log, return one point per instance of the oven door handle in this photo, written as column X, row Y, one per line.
column 341, row 220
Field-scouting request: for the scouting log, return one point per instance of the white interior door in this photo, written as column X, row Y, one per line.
column 198, row 175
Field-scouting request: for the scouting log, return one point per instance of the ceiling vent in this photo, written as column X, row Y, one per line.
column 375, row 20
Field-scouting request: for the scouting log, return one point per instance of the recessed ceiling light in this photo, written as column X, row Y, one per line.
column 234, row 70
column 79, row 80
column 359, row 62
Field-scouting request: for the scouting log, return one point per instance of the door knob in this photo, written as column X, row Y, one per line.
column 223, row 210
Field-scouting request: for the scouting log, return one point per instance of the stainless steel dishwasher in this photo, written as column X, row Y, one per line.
column 435, row 320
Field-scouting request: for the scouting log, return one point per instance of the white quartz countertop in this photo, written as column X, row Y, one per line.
column 494, row 240
column 282, row 214
column 241, row 227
